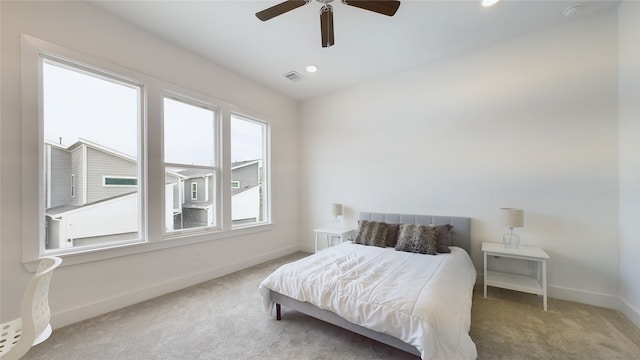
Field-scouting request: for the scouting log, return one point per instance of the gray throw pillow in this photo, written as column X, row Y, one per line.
column 421, row 239
column 371, row 233
column 444, row 238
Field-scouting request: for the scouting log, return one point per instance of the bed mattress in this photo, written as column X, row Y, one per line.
column 423, row 300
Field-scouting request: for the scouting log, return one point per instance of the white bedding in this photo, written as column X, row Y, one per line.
column 424, row 300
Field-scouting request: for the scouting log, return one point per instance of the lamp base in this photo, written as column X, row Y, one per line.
column 511, row 239
column 336, row 224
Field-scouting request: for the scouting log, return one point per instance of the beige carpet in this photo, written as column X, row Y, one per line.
column 224, row 319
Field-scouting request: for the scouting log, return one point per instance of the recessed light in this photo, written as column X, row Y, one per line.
column 487, row 3
column 312, row 68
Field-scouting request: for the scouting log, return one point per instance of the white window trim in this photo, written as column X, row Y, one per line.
column 152, row 220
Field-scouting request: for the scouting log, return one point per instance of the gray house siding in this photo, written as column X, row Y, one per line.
column 201, row 193
column 58, row 186
column 102, row 164
column 247, row 175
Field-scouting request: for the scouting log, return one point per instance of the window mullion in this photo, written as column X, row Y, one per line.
column 225, row 151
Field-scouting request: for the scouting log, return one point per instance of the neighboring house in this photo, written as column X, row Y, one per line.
column 246, row 190
column 189, row 199
column 91, row 195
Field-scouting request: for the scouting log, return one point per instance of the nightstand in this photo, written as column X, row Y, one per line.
column 529, row 284
column 343, row 234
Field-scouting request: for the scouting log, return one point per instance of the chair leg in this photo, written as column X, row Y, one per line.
column 278, row 312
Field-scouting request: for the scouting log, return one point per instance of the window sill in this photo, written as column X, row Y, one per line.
column 87, row 256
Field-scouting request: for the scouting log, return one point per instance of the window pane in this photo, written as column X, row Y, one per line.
column 247, row 171
column 90, row 131
column 188, row 134
column 190, row 173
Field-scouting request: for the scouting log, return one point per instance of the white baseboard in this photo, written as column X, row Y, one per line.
column 630, row 312
column 307, row 248
column 119, row 301
column 584, row 297
column 86, row 311
column 575, row 295
column 589, row 298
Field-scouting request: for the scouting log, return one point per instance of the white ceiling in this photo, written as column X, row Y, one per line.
column 367, row 45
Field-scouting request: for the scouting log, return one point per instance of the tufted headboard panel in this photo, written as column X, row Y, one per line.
column 460, row 234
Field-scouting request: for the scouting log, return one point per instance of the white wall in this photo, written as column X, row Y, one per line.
column 85, row 290
column 629, row 100
column 528, row 123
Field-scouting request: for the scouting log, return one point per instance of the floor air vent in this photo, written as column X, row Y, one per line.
column 293, row 76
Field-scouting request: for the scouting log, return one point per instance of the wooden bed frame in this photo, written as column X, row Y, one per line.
column 460, row 236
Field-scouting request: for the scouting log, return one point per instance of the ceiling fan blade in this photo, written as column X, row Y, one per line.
column 280, row 9
column 384, row 7
column 326, row 25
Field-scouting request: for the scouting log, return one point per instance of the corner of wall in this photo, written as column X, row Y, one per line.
column 630, row 312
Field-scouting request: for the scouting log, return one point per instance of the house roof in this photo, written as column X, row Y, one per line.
column 239, row 164
column 194, row 173
column 102, row 148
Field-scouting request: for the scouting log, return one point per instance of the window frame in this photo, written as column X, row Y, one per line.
column 201, row 101
column 151, row 172
column 266, row 164
column 108, row 75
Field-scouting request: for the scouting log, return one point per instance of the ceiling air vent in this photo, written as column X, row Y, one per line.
column 293, row 76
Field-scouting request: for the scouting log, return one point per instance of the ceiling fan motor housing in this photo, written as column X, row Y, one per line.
column 326, row 25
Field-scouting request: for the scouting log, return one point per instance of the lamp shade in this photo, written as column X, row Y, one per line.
column 512, row 218
column 336, row 209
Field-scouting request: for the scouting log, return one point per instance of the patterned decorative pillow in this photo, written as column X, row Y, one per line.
column 371, row 233
column 421, row 239
column 444, row 238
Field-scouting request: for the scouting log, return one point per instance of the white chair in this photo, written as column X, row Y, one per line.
column 32, row 327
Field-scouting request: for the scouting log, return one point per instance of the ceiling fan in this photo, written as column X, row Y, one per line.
column 384, row 7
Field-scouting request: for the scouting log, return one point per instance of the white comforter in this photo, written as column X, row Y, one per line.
column 424, row 300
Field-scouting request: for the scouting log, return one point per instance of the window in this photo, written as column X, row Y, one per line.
column 73, row 185
column 125, row 158
column 248, row 143
column 90, row 122
column 190, row 161
column 119, row 181
column 194, row 191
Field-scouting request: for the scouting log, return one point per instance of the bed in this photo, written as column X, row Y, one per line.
column 415, row 302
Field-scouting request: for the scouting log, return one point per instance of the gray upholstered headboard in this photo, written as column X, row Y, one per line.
column 460, row 234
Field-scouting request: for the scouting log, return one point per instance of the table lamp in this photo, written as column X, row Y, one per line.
column 512, row 218
column 336, row 210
